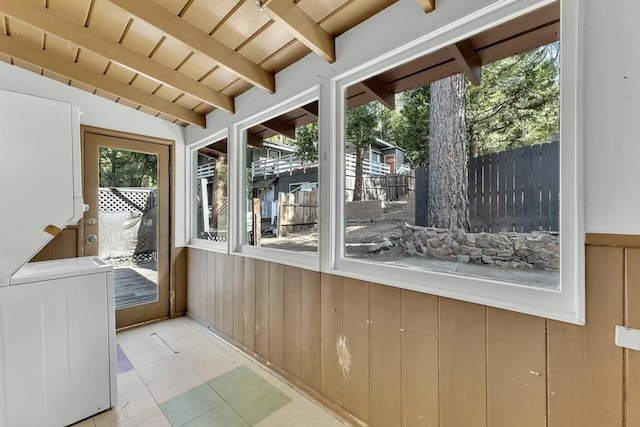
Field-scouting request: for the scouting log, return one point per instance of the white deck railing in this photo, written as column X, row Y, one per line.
column 265, row 168
column 206, row 170
column 368, row 167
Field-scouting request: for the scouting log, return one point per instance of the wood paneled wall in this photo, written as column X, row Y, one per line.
column 64, row 245
column 391, row 357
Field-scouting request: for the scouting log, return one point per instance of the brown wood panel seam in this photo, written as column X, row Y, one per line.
column 613, row 240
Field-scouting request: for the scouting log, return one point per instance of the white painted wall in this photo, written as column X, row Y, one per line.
column 612, row 117
column 611, row 93
column 103, row 113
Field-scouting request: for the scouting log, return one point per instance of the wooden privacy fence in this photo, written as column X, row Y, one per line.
column 389, row 188
column 515, row 190
column 297, row 211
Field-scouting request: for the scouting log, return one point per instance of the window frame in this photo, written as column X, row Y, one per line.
column 237, row 187
column 190, row 214
column 567, row 302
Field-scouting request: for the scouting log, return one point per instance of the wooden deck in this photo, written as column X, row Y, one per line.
column 135, row 284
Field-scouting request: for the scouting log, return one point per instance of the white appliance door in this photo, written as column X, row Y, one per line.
column 54, row 367
column 40, row 175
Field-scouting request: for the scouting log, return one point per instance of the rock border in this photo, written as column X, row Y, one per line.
column 538, row 250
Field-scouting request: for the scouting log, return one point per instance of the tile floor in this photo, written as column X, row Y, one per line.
column 175, row 373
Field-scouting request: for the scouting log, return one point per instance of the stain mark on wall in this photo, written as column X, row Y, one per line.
column 344, row 356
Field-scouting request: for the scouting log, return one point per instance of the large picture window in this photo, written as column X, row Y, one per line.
column 450, row 171
column 280, row 185
column 210, row 203
column 470, row 181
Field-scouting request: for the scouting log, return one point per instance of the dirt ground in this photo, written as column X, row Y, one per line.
column 361, row 236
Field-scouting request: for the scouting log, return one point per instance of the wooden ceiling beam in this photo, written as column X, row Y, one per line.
column 428, row 5
column 380, row 92
column 280, row 127
column 179, row 29
column 311, row 108
column 74, row 71
column 81, row 36
column 468, row 60
column 303, row 27
column 254, row 140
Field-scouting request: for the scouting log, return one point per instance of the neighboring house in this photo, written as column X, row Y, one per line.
column 382, row 152
column 276, row 168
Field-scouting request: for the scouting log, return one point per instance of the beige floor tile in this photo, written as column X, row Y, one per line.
column 203, row 353
column 130, row 405
column 179, row 341
column 181, row 325
column 86, row 423
column 132, row 335
column 161, row 368
column 212, row 368
column 152, row 418
column 174, row 384
column 209, row 360
column 174, row 356
column 148, row 351
column 128, row 381
column 321, row 418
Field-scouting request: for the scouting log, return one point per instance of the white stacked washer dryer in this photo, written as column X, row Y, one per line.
column 57, row 322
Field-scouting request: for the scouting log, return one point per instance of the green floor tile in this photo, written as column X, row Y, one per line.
column 220, row 416
column 249, row 394
column 190, row 405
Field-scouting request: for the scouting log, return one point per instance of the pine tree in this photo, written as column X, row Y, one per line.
column 362, row 124
column 448, row 200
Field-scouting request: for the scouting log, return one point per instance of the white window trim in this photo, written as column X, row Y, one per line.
column 236, row 184
column 567, row 303
column 193, row 242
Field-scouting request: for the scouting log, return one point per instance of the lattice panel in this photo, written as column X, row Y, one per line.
column 223, row 207
column 127, row 200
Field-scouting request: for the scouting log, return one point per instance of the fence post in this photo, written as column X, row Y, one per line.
column 422, row 196
column 281, row 213
column 257, row 222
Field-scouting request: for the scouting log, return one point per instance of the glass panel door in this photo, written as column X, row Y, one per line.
column 128, row 218
column 127, row 224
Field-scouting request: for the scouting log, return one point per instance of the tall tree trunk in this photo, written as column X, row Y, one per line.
column 219, row 178
column 448, row 181
column 357, row 186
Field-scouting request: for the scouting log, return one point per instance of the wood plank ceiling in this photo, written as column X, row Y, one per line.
column 174, row 59
column 535, row 29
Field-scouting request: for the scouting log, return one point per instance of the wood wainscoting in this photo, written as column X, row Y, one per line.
column 383, row 356
column 63, row 245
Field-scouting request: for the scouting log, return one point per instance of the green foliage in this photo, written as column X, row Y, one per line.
column 412, row 130
column 122, row 168
column 518, row 103
column 363, row 124
column 307, row 142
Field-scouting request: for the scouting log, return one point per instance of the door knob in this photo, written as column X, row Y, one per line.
column 92, row 238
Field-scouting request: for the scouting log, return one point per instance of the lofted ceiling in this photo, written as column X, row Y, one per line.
column 174, row 59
